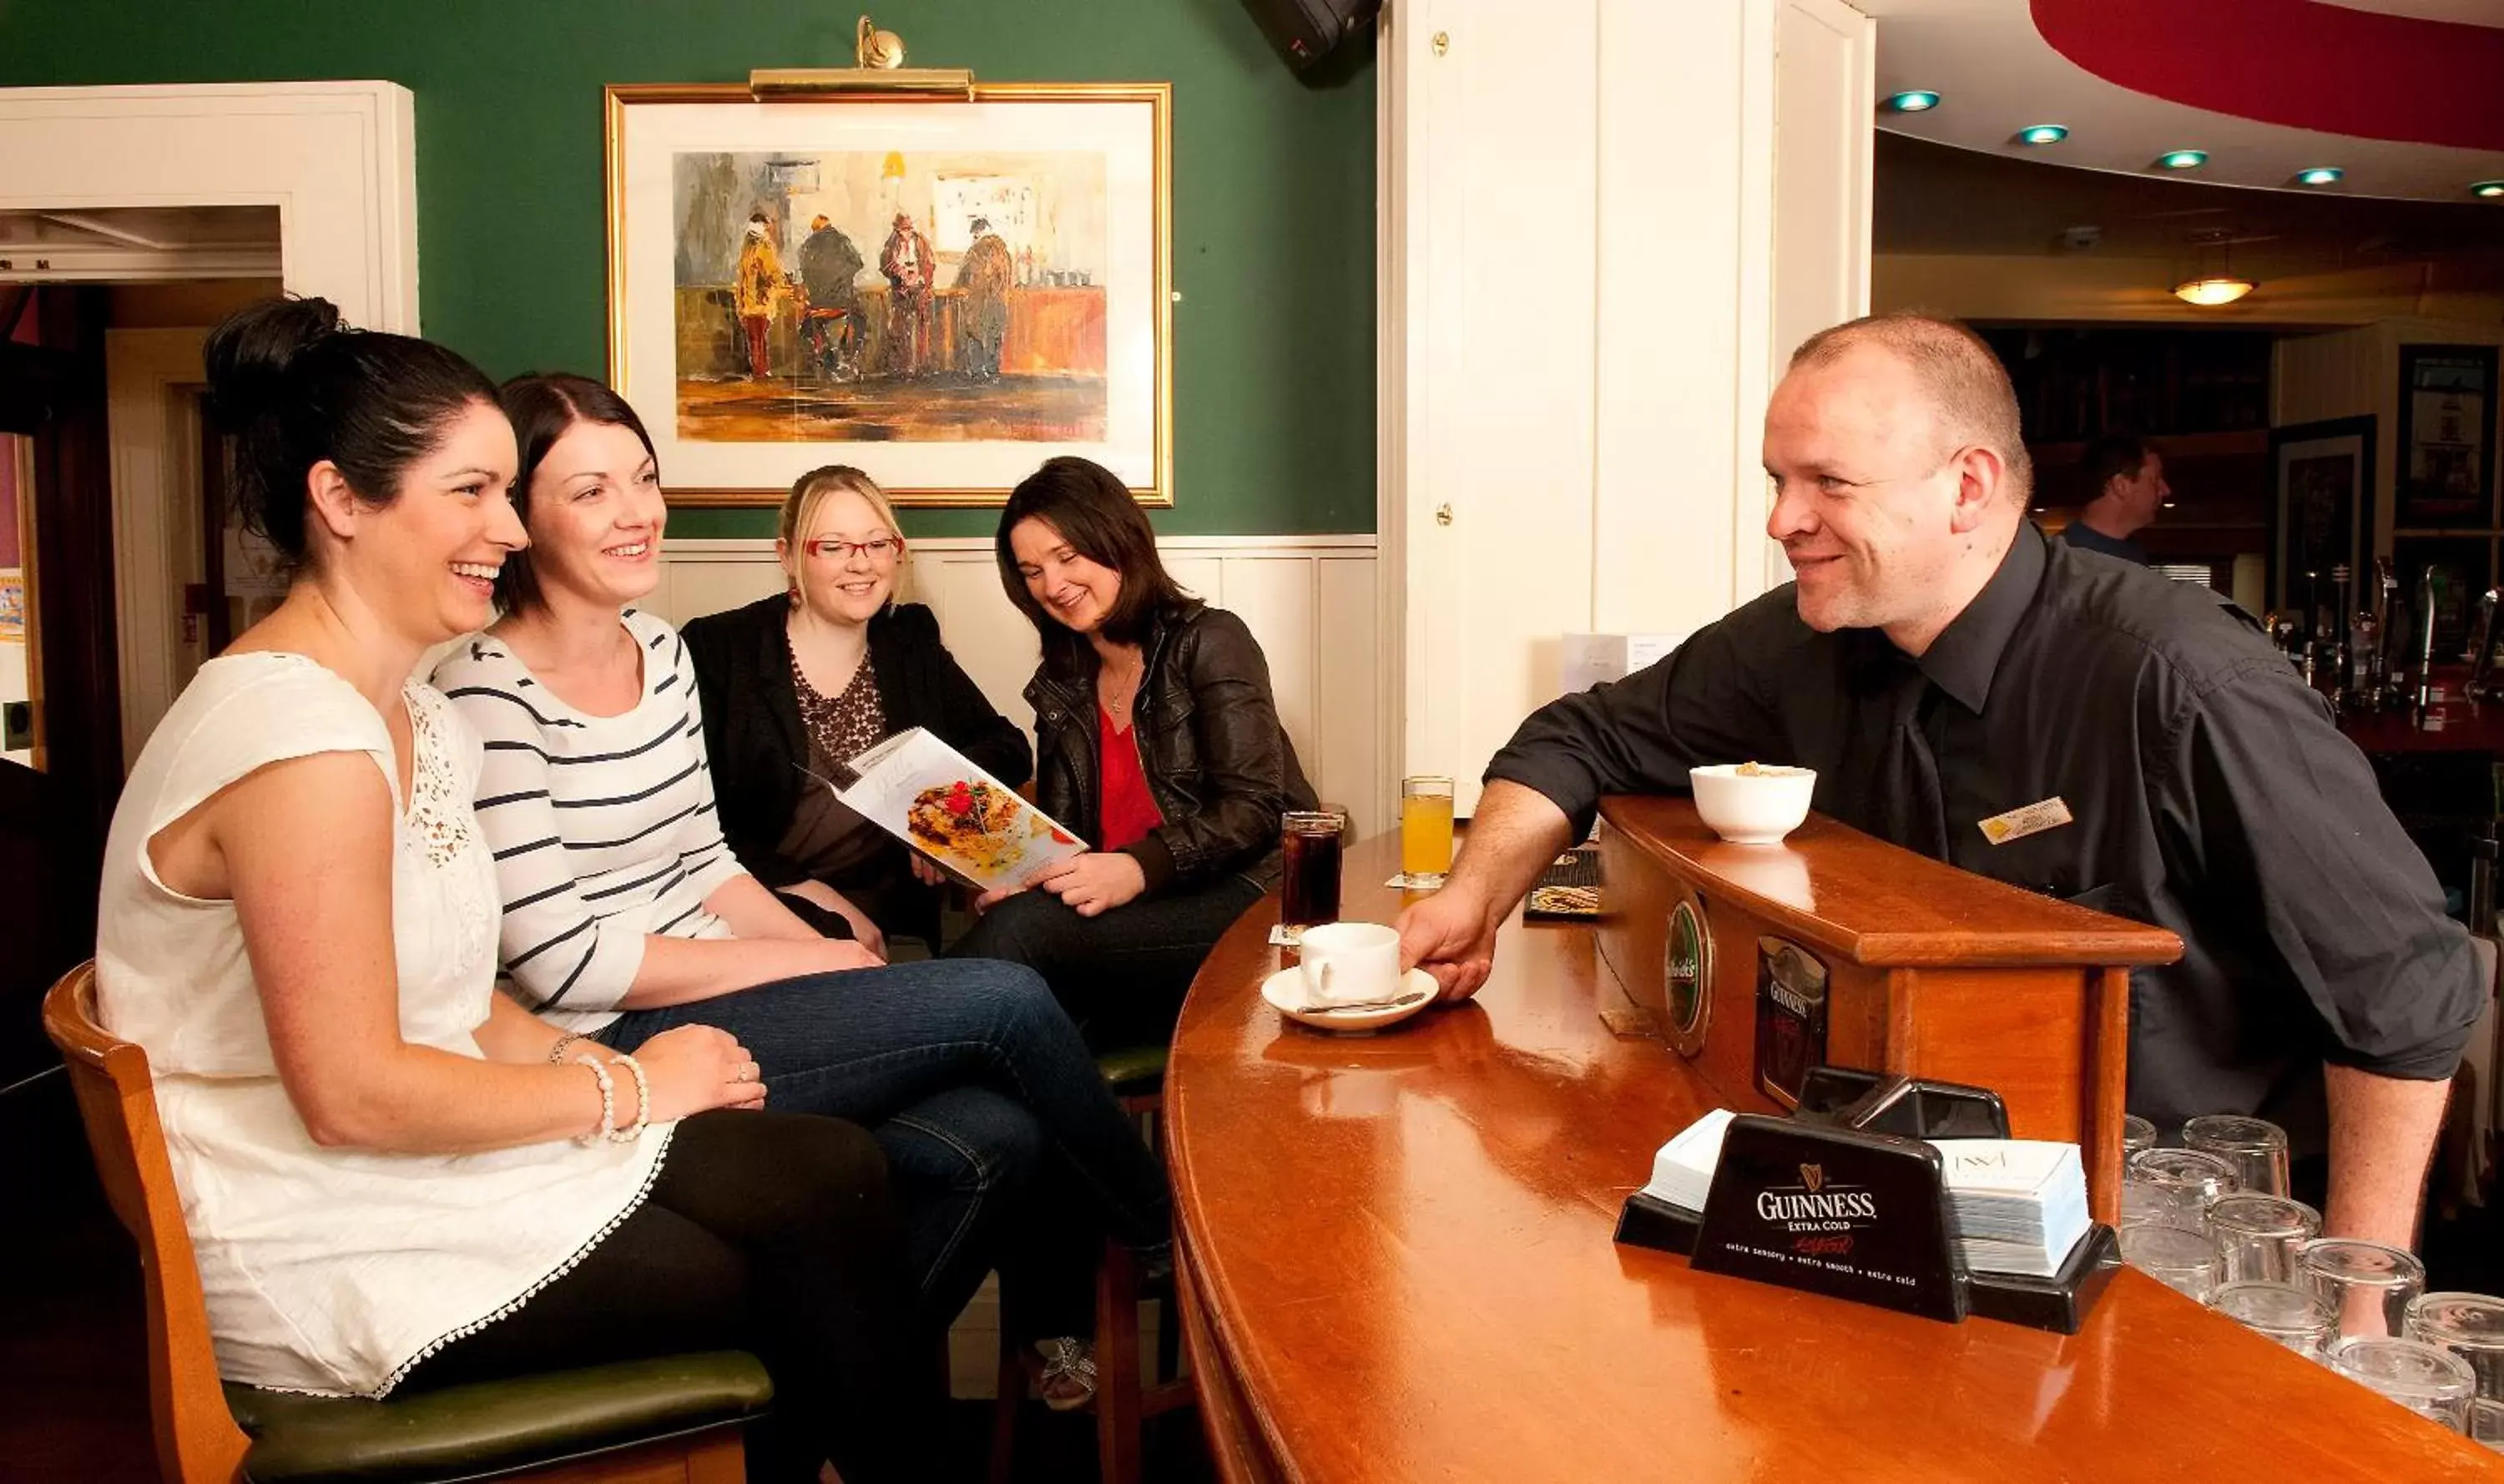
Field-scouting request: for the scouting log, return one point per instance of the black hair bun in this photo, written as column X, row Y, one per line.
column 247, row 355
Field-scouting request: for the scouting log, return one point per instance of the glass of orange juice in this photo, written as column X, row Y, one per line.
column 1425, row 830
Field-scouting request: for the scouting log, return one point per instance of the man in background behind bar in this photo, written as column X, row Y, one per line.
column 2128, row 478
column 1940, row 663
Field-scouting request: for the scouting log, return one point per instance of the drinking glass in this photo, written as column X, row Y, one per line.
column 2429, row 1382
column 2294, row 1318
column 2486, row 1422
column 2150, row 1203
column 1425, row 830
column 2191, row 1169
column 2258, row 1234
column 2471, row 1326
column 2183, row 1260
column 1309, row 883
column 2367, row 1285
column 2257, row 1147
column 2137, row 1133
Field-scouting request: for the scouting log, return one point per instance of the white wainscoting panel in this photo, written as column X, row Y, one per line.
column 1311, row 600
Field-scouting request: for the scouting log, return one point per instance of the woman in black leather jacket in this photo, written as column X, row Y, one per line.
column 1156, row 737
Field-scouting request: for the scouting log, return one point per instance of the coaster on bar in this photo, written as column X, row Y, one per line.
column 1404, row 882
column 1281, row 936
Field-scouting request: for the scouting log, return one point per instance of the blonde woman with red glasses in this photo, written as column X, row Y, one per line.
column 795, row 683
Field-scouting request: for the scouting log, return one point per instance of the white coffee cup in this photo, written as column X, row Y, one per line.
column 1347, row 962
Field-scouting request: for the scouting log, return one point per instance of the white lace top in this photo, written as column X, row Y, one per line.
column 333, row 1270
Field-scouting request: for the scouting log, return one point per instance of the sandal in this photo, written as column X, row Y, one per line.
column 1068, row 1380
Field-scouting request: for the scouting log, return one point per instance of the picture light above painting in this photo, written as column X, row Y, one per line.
column 944, row 294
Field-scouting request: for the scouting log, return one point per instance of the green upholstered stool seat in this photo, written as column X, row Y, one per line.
column 1133, row 1068
column 494, row 1427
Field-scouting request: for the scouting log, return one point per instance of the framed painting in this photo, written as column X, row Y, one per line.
column 2322, row 516
column 2446, row 473
column 944, row 294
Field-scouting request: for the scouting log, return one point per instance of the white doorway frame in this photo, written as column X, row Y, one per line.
column 337, row 159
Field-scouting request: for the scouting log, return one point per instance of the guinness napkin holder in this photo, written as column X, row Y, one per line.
column 1845, row 1197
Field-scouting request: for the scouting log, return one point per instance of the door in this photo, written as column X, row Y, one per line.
column 20, row 680
column 57, row 791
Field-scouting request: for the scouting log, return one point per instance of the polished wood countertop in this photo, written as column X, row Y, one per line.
column 1397, row 1264
column 1883, row 905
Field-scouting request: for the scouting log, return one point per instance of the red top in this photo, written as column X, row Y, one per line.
column 1128, row 812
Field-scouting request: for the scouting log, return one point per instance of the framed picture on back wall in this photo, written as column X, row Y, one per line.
column 2445, row 471
column 2321, row 512
column 944, row 294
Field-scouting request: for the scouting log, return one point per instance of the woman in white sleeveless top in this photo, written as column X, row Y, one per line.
column 395, row 1177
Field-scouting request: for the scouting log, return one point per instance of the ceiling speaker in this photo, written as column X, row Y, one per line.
column 1306, row 32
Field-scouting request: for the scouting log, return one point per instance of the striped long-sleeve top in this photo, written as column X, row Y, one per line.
column 603, row 827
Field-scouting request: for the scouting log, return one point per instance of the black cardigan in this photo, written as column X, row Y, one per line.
column 758, row 746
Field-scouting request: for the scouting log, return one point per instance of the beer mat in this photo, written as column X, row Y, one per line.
column 1632, row 1022
column 1281, row 936
column 1570, row 888
column 1404, row 882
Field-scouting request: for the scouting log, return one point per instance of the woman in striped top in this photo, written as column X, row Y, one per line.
column 626, row 914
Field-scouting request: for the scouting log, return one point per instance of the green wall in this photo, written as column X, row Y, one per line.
column 1272, row 195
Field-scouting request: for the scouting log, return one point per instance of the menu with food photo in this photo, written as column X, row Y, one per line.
column 970, row 824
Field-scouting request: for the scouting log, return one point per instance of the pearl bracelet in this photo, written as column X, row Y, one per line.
column 642, row 1103
column 607, row 1128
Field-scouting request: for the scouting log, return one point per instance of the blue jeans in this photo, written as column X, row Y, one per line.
column 975, row 1084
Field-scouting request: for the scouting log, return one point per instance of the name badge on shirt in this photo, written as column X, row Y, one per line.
column 2033, row 819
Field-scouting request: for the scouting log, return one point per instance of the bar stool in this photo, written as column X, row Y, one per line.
column 676, row 1418
column 1123, row 1405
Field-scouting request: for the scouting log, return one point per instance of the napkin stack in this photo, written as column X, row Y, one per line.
column 2019, row 1205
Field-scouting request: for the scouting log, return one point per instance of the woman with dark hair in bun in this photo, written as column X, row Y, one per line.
column 394, row 1178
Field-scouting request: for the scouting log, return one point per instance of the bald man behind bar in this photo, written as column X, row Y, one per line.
column 1939, row 664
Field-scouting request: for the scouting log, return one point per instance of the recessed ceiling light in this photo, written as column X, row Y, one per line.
column 2209, row 292
column 2042, row 133
column 2319, row 175
column 2181, row 159
column 2488, row 188
column 1916, row 101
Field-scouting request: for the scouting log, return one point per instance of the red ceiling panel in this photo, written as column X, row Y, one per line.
column 2295, row 62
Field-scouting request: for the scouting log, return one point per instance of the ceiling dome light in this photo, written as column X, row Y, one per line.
column 2209, row 292
column 1916, row 101
column 2042, row 133
column 2489, row 189
column 2181, row 159
column 2319, row 175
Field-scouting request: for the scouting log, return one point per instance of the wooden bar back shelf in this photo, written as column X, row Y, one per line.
column 1395, row 1263
column 1924, row 969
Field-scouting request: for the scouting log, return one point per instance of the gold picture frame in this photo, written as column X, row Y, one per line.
column 1075, row 360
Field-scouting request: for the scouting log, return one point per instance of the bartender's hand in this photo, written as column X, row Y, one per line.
column 1451, row 936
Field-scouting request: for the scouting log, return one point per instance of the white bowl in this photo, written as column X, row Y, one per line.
column 1751, row 808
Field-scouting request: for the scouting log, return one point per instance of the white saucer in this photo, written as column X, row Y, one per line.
column 1285, row 989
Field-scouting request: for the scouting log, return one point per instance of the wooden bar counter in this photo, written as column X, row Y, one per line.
column 1396, row 1264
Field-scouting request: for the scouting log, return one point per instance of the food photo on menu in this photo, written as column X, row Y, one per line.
column 958, row 816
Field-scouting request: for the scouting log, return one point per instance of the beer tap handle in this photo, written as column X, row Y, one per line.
column 2482, row 650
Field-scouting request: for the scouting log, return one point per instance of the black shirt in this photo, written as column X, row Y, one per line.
column 2209, row 791
column 757, row 741
column 2087, row 538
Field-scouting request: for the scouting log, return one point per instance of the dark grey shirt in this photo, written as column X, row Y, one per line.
column 2210, row 795
column 2087, row 538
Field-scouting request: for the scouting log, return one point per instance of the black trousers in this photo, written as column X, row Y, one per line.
column 773, row 1233
column 1119, row 975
